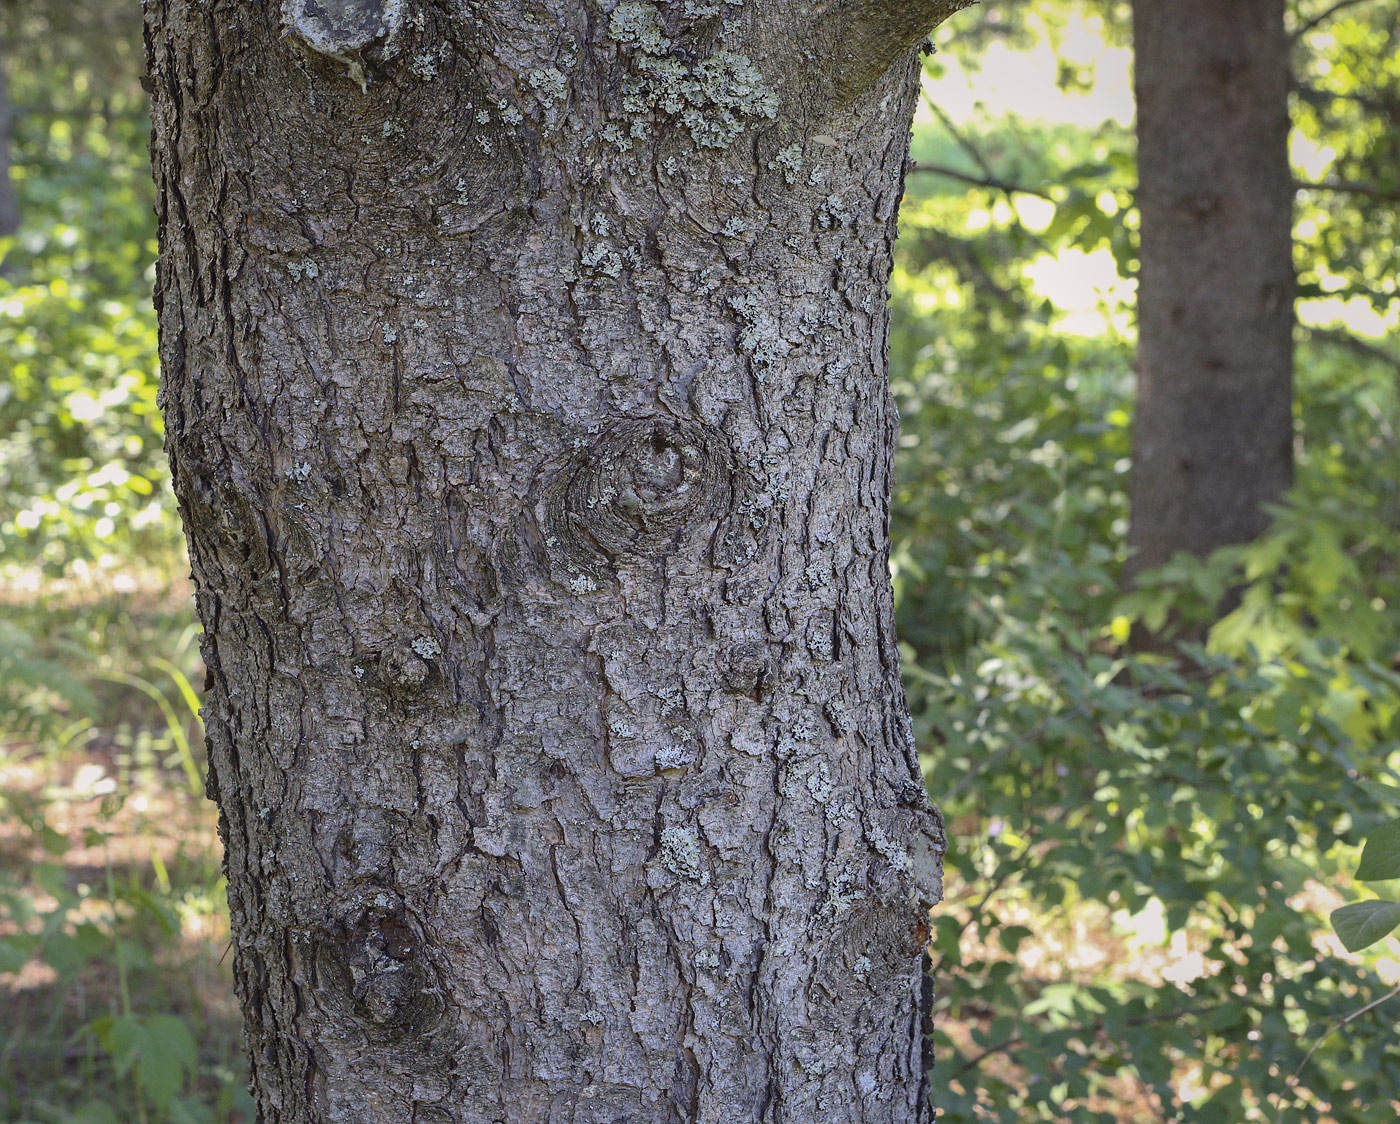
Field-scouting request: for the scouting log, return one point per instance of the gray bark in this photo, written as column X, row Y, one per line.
column 524, row 382
column 1213, row 431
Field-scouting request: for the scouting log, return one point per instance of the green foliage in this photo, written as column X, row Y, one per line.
column 1145, row 838
column 1345, row 108
column 100, row 897
column 120, row 926
column 158, row 1050
column 82, row 476
column 1362, row 924
column 39, row 696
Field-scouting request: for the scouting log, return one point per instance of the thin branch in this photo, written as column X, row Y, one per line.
column 1349, row 342
column 1292, row 1081
column 959, row 136
column 1092, row 1028
column 1322, row 17
column 1354, row 187
column 1346, row 341
column 1368, row 100
column 992, row 182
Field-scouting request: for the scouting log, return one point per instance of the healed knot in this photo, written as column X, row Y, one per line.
column 640, row 488
column 374, row 957
column 341, row 27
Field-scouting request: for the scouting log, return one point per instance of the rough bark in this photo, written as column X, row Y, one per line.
column 524, row 382
column 1213, row 428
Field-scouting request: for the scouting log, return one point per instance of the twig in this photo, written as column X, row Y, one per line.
column 981, row 181
column 1293, row 1077
column 1322, row 17
column 1353, row 187
column 962, row 141
column 1354, row 343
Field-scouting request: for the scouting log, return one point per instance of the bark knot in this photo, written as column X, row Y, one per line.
column 640, row 488
column 341, row 27
column 403, row 669
column 748, row 669
column 374, row 954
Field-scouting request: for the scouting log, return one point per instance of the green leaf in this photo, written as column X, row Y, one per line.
column 62, row 954
column 160, row 1048
column 143, row 898
column 1362, row 924
column 167, row 1056
column 1387, row 793
column 93, row 1112
column 15, row 951
column 1380, row 858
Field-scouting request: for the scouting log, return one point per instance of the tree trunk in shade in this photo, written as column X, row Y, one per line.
column 9, row 205
column 1213, row 437
column 524, row 383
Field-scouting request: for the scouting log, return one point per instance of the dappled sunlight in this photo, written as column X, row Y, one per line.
column 1028, row 83
column 1089, row 296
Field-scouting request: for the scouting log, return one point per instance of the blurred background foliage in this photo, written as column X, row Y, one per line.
column 1147, row 837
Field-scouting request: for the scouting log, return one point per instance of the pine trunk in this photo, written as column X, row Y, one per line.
column 524, row 382
column 1213, row 433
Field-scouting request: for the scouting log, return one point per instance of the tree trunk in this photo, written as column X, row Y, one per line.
column 1213, row 433
column 524, row 383
column 9, row 205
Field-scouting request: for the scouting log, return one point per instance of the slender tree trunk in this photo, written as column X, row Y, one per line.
column 9, row 204
column 1213, row 433
column 525, row 393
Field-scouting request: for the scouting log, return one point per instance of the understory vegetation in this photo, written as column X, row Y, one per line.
column 1152, row 808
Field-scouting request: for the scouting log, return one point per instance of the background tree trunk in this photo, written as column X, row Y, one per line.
column 9, row 204
column 1213, row 433
column 525, row 395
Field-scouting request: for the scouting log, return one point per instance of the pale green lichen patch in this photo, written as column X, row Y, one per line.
column 898, row 857
column 760, row 335
column 676, row 756
column 789, row 162
column 549, row 84
column 716, row 98
column 726, row 94
column 424, row 65
column 680, row 854
column 637, row 23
